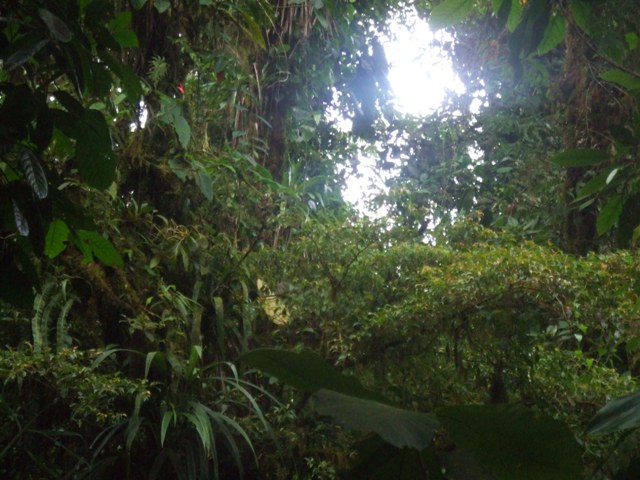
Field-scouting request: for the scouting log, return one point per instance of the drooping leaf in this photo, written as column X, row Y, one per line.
column 579, row 158
column 515, row 15
column 553, row 35
column 624, row 79
column 56, row 239
column 399, row 427
column 57, row 27
column 23, row 55
column 94, row 154
column 91, row 243
column 450, row 12
column 34, row 173
column 306, row 371
column 619, row 414
column 609, row 214
column 581, row 12
column 512, row 441
column 182, row 129
column 130, row 82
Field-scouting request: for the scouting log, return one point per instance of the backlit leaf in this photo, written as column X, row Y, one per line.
column 553, row 35
column 56, row 239
column 450, row 12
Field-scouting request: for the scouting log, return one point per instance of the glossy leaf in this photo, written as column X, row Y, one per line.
column 579, row 158
column 511, row 441
column 34, row 173
column 450, row 12
column 619, row 414
column 94, row 155
column 21, row 221
column 399, row 427
column 56, row 240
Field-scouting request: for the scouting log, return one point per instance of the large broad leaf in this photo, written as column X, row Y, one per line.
column 57, row 27
column 624, row 79
column 399, row 427
column 619, row 414
column 579, row 157
column 553, row 35
column 94, row 154
column 511, row 441
column 56, row 239
column 450, row 12
column 121, row 30
column 306, row 371
column 515, row 15
column 377, row 460
column 91, row 244
column 609, row 214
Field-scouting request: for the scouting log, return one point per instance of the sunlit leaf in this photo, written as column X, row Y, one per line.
column 512, row 441
column 399, row 427
column 450, row 12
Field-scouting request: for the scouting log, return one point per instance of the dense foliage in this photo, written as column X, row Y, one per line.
column 185, row 294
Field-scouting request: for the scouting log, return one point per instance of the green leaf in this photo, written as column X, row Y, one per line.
column 449, row 13
column 57, row 27
column 138, row 4
column 619, row 414
column 581, row 12
column 306, row 371
column 94, row 244
column 57, row 236
column 162, row 5
column 399, row 427
column 94, row 155
column 553, row 35
column 130, row 82
column 596, row 184
column 220, row 330
column 164, row 425
column 121, row 30
column 515, row 15
column 609, row 214
column 624, row 79
column 579, row 158
column 182, row 129
column 511, row 441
